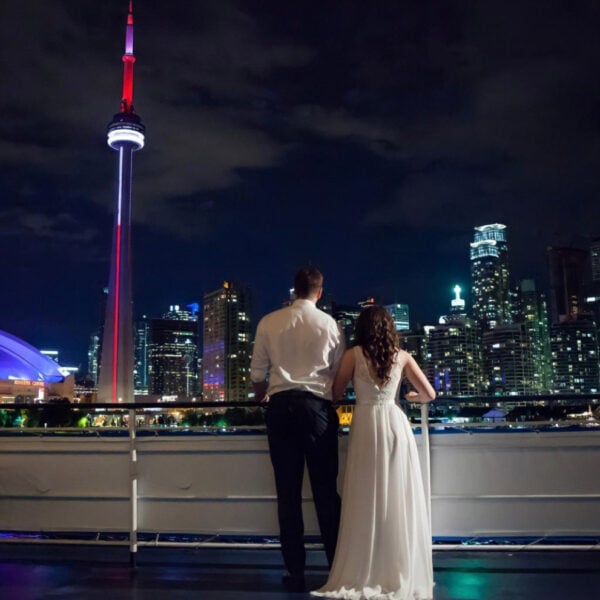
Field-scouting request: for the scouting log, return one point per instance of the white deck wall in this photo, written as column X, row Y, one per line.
column 523, row 483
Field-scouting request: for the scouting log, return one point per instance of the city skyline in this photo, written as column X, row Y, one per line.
column 366, row 140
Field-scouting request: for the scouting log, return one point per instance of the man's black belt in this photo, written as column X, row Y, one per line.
column 296, row 393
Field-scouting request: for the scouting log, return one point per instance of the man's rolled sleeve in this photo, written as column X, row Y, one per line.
column 339, row 348
column 260, row 363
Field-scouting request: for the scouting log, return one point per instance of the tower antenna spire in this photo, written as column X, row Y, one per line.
column 128, row 60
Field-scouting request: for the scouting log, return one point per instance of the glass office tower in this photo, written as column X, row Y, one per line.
column 227, row 347
column 489, row 275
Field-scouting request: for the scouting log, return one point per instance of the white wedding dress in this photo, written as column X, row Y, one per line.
column 384, row 543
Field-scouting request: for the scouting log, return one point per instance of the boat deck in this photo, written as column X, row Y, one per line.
column 31, row 572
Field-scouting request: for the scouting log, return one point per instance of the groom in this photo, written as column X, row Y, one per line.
column 296, row 353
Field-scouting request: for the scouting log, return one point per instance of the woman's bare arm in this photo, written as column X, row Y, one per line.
column 343, row 375
column 425, row 392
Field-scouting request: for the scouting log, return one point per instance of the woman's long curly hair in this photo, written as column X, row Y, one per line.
column 376, row 333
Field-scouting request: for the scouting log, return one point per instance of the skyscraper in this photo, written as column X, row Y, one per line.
column 532, row 311
column 142, row 351
column 93, row 352
column 489, row 275
column 125, row 135
column 575, row 364
column 345, row 316
column 414, row 341
column 399, row 313
column 566, row 268
column 595, row 259
column 173, row 353
column 590, row 293
column 507, row 363
column 458, row 304
column 227, row 347
column 454, row 353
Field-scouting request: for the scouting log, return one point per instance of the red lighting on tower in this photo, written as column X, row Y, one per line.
column 128, row 60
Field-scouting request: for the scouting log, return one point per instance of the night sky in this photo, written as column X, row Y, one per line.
column 367, row 138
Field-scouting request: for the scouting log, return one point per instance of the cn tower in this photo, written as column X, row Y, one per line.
column 125, row 135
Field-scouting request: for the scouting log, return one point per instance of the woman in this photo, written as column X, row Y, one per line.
column 384, row 544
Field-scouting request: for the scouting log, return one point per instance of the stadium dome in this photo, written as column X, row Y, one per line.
column 20, row 360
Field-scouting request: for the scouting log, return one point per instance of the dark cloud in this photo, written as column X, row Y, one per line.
column 64, row 86
column 61, row 227
column 387, row 129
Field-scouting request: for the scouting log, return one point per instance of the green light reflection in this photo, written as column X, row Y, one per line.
column 467, row 586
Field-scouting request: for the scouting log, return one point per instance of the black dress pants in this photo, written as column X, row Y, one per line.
column 302, row 426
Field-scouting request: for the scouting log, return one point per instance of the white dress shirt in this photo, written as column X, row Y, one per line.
column 297, row 347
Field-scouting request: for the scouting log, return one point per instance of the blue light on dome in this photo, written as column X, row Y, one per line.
column 20, row 360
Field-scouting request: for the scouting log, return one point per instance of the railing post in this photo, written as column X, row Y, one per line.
column 427, row 457
column 133, row 488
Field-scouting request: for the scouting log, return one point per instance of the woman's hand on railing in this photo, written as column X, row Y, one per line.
column 414, row 397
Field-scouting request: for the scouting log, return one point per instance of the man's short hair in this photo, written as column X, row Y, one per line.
column 308, row 282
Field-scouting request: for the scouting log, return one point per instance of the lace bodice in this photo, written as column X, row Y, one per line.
column 368, row 391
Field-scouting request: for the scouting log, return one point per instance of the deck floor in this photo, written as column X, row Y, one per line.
column 30, row 572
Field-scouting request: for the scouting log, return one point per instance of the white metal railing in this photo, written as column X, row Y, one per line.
column 527, row 484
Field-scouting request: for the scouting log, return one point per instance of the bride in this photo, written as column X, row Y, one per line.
column 384, row 543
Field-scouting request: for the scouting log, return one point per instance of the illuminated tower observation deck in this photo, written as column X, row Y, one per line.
column 125, row 135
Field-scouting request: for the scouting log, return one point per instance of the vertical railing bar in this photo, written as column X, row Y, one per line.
column 133, row 545
column 427, row 461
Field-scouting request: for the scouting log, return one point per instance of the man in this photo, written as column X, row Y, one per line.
column 298, row 349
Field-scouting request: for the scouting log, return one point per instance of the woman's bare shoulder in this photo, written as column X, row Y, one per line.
column 402, row 356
